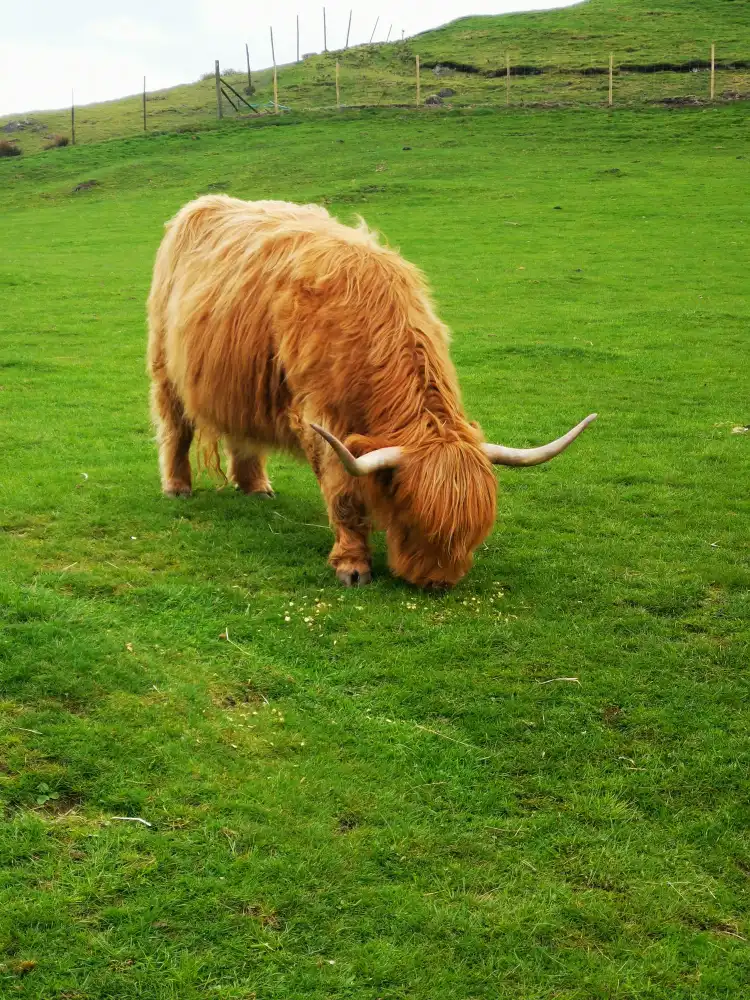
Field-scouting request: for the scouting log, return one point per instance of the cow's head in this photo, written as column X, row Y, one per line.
column 436, row 500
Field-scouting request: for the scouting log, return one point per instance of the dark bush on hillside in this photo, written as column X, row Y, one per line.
column 9, row 148
column 57, row 140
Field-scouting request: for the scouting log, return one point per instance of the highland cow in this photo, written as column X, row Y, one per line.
column 273, row 326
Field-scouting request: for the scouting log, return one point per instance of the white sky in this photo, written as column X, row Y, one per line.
column 103, row 49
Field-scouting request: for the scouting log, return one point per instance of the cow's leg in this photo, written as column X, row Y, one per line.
column 350, row 556
column 247, row 468
column 174, row 432
column 347, row 511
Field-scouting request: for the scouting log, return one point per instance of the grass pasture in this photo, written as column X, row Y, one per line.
column 376, row 793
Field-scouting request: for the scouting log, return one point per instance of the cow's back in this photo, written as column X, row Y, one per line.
column 268, row 313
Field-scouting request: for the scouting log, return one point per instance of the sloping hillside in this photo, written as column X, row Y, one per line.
column 661, row 50
column 639, row 32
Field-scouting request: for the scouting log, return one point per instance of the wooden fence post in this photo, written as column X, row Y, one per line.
column 419, row 89
column 338, row 90
column 249, row 78
column 275, row 78
column 611, row 74
column 349, row 28
column 217, row 74
column 72, row 118
column 507, row 79
column 144, row 104
column 713, row 69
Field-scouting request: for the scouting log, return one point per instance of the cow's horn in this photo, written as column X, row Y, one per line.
column 381, row 458
column 499, row 455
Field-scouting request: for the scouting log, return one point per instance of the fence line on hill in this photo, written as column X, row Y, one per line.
column 355, row 73
column 613, row 71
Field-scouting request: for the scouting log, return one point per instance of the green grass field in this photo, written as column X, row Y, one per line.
column 551, row 54
column 533, row 787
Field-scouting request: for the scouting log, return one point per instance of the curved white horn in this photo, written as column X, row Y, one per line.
column 499, row 455
column 381, row 458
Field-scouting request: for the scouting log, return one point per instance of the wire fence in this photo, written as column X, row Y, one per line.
column 399, row 76
column 358, row 79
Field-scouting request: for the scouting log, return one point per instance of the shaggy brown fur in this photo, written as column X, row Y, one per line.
column 265, row 317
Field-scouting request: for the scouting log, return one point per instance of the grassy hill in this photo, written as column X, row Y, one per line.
column 644, row 32
column 557, row 57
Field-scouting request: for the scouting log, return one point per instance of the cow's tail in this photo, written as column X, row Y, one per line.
column 207, row 453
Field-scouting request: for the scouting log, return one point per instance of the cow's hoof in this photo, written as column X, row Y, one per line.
column 352, row 577
column 264, row 492
column 175, row 488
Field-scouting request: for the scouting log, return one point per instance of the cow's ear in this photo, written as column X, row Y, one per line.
column 360, row 444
